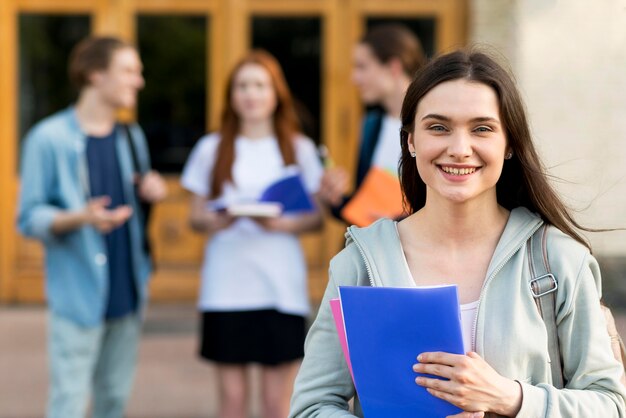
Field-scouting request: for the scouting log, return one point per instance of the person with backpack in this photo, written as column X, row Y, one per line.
column 81, row 196
column 385, row 60
column 477, row 193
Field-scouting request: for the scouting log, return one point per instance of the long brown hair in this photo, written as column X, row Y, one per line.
column 523, row 181
column 286, row 124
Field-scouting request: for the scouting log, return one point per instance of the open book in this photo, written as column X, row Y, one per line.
column 285, row 196
column 385, row 329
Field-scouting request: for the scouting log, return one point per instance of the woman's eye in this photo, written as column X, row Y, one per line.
column 437, row 128
column 483, row 129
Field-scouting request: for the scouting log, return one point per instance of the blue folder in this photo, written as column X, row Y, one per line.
column 290, row 193
column 386, row 329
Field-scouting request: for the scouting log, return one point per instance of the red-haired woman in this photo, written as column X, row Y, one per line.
column 253, row 296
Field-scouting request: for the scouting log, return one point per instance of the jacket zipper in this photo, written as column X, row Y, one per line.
column 367, row 264
column 480, row 297
column 494, row 274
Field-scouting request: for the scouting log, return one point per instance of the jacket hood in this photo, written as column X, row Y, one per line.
column 389, row 256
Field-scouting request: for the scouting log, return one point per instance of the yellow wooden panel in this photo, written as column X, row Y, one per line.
column 216, row 77
column 237, row 32
column 286, row 7
column 403, row 7
column 174, row 243
column 175, row 284
column 8, row 133
column 311, row 244
column 55, row 6
column 29, row 253
column 176, row 6
column 317, row 280
column 29, row 288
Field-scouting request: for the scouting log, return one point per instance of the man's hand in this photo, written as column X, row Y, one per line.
column 152, row 187
column 103, row 219
column 333, row 186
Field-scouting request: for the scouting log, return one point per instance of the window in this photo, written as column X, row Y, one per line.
column 45, row 42
column 295, row 42
column 173, row 106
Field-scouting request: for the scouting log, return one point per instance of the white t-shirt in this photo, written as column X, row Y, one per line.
column 246, row 267
column 388, row 148
column 468, row 314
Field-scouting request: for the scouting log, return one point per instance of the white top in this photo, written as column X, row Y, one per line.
column 246, row 267
column 388, row 148
column 468, row 314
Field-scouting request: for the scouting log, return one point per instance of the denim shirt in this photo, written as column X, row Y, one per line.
column 54, row 178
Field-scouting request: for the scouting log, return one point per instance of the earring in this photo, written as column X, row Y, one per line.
column 413, row 154
column 508, row 155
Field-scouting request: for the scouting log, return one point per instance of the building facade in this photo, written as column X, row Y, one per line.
column 188, row 46
column 569, row 57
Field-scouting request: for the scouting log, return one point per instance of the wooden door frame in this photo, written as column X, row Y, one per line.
column 8, row 160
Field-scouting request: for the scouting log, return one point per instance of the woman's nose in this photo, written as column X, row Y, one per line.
column 460, row 145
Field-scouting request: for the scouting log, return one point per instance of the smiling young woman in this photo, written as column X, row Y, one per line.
column 459, row 141
column 476, row 193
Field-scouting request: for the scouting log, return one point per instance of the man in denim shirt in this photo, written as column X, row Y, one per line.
column 80, row 186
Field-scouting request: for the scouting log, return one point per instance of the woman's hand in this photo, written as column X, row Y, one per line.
column 204, row 220
column 466, row 414
column 472, row 385
column 294, row 223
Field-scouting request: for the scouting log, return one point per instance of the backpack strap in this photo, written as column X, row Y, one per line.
column 543, row 286
column 133, row 150
column 371, row 131
column 146, row 208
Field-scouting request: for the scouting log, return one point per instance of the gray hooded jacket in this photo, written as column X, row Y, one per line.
column 508, row 330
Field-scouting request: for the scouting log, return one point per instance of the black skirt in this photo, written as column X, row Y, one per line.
column 266, row 337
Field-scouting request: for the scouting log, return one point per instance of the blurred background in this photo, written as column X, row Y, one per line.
column 569, row 57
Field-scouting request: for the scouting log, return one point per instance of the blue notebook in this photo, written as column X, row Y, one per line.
column 386, row 328
column 285, row 196
column 290, row 193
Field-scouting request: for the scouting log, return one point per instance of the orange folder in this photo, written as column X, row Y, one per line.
column 379, row 196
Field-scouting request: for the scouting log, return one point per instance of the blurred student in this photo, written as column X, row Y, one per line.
column 385, row 61
column 80, row 196
column 253, row 298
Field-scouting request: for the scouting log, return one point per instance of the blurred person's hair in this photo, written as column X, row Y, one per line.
column 523, row 181
column 92, row 54
column 286, row 123
column 395, row 40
